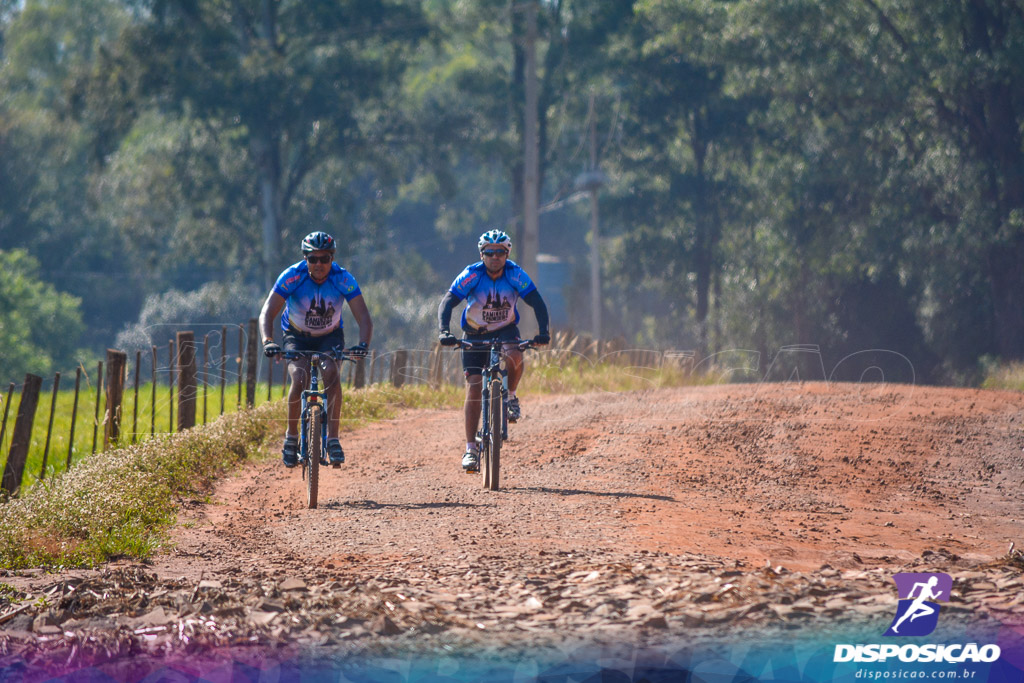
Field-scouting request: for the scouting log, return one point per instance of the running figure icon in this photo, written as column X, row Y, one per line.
column 918, row 608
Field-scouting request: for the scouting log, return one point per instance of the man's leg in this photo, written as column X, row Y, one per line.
column 298, row 371
column 332, row 381
column 515, row 365
column 474, row 385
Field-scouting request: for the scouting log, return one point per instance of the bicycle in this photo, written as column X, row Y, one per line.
column 313, row 420
column 493, row 405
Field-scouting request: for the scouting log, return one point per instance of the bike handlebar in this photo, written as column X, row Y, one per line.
column 336, row 354
column 521, row 344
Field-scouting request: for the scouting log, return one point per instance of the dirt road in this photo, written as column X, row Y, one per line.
column 851, row 476
column 651, row 513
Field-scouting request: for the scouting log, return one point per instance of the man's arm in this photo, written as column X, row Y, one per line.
column 362, row 315
column 271, row 307
column 540, row 309
column 444, row 311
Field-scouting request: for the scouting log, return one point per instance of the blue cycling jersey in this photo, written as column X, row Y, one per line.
column 491, row 304
column 313, row 308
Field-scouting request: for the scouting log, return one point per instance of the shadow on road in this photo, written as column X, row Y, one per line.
column 579, row 492
column 374, row 505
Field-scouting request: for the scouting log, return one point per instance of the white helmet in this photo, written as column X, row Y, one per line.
column 494, row 237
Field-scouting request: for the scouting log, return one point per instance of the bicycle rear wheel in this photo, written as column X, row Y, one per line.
column 494, row 417
column 313, row 452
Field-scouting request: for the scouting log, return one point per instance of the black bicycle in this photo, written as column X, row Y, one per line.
column 493, row 405
column 313, row 419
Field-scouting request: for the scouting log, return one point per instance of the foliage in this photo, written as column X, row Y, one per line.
column 1003, row 376
column 206, row 309
column 39, row 326
column 846, row 175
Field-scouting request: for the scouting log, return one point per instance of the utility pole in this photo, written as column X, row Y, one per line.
column 595, row 251
column 591, row 181
column 528, row 251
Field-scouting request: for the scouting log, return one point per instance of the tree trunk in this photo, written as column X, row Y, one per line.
column 268, row 161
column 996, row 139
column 703, row 243
column 1006, row 274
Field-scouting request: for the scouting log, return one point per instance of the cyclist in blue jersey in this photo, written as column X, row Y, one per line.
column 491, row 288
column 311, row 293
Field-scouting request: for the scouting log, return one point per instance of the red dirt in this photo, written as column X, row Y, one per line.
column 798, row 474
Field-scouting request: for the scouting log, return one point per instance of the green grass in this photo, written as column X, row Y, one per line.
column 121, row 502
column 138, row 423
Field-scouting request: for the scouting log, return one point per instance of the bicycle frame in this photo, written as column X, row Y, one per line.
column 313, row 398
column 314, row 405
column 491, row 434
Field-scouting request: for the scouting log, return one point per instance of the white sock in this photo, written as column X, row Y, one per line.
column 511, row 394
column 471, row 446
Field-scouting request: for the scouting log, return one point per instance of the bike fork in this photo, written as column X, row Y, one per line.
column 485, row 395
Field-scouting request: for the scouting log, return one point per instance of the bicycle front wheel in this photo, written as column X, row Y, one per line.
column 494, row 417
column 314, row 441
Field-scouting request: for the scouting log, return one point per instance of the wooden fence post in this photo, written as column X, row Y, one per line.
column 170, row 385
column 186, row 363
column 223, row 364
column 373, row 365
column 74, row 415
column 96, row 414
column 360, row 373
column 21, row 437
column 135, row 403
column 116, row 362
column 437, row 367
column 238, row 360
column 398, row 364
column 49, row 425
column 152, row 387
column 206, row 365
column 251, row 361
column 270, row 377
column 7, row 409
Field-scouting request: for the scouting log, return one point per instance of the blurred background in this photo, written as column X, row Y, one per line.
column 708, row 175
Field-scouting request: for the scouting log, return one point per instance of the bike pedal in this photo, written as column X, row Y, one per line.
column 336, row 465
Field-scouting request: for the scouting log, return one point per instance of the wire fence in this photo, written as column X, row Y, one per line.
column 127, row 398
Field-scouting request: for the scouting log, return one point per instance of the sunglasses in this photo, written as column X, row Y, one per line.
column 319, row 259
column 494, row 252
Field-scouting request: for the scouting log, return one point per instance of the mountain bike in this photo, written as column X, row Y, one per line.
column 493, row 405
column 313, row 419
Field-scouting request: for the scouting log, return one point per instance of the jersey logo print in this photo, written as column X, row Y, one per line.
column 320, row 314
column 496, row 308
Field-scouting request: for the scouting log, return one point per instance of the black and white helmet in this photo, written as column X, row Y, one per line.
column 318, row 241
column 494, row 237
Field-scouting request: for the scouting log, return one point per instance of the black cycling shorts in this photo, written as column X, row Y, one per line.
column 474, row 362
column 297, row 341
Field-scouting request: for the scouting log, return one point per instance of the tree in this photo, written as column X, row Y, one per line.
column 686, row 137
column 906, row 110
column 300, row 82
column 39, row 326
